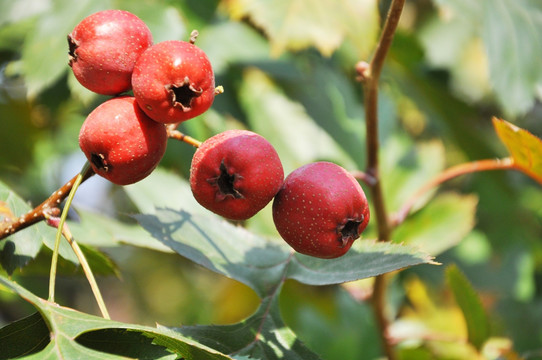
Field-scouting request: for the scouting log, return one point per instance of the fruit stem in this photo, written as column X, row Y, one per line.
column 448, row 174
column 173, row 133
column 369, row 75
column 63, row 216
column 40, row 212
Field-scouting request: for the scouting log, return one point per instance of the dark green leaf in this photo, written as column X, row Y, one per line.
column 67, row 326
column 471, row 306
column 262, row 336
column 36, row 337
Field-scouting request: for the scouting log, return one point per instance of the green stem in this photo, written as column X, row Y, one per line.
column 63, row 216
column 86, row 269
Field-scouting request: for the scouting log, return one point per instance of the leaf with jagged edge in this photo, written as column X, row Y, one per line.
column 76, row 335
column 263, row 263
column 524, row 147
column 261, row 336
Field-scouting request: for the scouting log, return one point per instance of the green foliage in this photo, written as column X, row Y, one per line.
column 71, row 333
column 288, row 72
column 471, row 306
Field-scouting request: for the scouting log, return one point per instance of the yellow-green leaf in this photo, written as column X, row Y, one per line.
column 524, row 147
column 299, row 24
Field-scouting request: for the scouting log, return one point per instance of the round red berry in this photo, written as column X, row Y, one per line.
column 103, row 49
column 173, row 81
column 121, row 143
column 235, row 174
column 320, row 210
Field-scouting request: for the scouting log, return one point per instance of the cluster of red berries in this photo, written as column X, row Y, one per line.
column 319, row 209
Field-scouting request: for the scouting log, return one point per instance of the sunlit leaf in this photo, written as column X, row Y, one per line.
column 261, row 263
column 76, row 335
column 45, row 51
column 471, row 306
column 430, row 228
column 525, row 148
column 512, row 33
column 300, row 24
column 104, row 231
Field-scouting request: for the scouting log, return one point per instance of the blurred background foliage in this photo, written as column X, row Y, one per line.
column 288, row 72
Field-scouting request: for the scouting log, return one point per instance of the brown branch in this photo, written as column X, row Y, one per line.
column 369, row 74
column 41, row 212
column 453, row 172
column 173, row 133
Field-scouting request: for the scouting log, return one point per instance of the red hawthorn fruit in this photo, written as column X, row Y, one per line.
column 103, row 49
column 173, row 81
column 320, row 210
column 235, row 174
column 121, row 143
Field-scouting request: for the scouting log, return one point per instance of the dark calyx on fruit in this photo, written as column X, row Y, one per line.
column 181, row 95
column 99, row 161
column 72, row 47
column 225, row 184
column 349, row 230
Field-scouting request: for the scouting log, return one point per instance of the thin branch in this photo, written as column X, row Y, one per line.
column 173, row 133
column 41, row 212
column 369, row 74
column 453, row 172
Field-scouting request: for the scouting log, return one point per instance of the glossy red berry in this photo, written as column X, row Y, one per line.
column 320, row 210
column 121, row 143
column 173, row 81
column 235, row 174
column 103, row 49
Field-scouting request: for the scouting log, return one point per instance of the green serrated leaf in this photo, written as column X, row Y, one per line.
column 429, row 229
column 66, row 327
column 299, row 24
column 261, row 263
column 468, row 300
column 262, row 336
column 18, row 249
